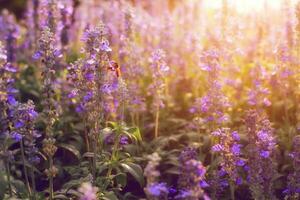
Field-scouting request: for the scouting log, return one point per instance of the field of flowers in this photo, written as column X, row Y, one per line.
column 156, row 100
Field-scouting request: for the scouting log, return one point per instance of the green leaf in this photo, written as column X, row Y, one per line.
column 134, row 131
column 136, row 171
column 121, row 179
column 110, row 196
column 61, row 196
column 71, row 149
column 3, row 185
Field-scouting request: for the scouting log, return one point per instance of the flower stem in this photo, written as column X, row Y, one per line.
column 25, row 169
column 8, row 178
column 51, row 179
column 94, row 158
column 232, row 190
column 156, row 122
column 33, row 184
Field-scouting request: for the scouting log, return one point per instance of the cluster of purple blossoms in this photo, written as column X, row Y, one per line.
column 7, row 91
column 159, row 70
column 92, row 86
column 131, row 65
column 17, row 119
column 67, row 20
column 260, row 155
column 9, row 32
column 32, row 25
column 23, row 117
column 154, row 189
column 49, row 20
column 192, row 176
column 258, row 95
column 49, row 55
column 230, row 150
column 212, row 105
column 59, row 19
column 293, row 189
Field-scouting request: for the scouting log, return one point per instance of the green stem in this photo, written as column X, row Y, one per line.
column 113, row 155
column 33, row 184
column 232, row 190
column 8, row 178
column 156, row 122
column 25, row 169
column 51, row 179
column 94, row 159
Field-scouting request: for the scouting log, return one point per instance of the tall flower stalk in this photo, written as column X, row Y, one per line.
column 260, row 155
column 154, row 189
column 230, row 151
column 192, row 176
column 292, row 192
column 23, row 119
column 90, row 80
column 159, row 69
column 48, row 52
column 7, row 99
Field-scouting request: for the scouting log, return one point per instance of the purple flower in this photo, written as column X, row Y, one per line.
column 11, row 100
column 80, row 108
column 57, row 53
column 265, row 154
column 37, row 55
column 236, row 150
column 19, row 124
column 123, row 140
column 88, row 96
column 157, row 189
column 32, row 114
column 10, row 68
column 105, row 46
column 238, row 181
column 203, row 184
column 217, row 148
column 73, row 93
column 240, row 163
column 235, row 136
column 16, row 136
column 89, row 76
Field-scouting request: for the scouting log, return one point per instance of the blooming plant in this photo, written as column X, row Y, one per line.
column 158, row 100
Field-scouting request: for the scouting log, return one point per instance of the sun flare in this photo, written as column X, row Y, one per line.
column 249, row 5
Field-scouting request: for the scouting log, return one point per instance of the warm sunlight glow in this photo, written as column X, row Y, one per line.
column 249, row 5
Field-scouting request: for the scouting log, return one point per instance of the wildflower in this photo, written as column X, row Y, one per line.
column 260, row 153
column 230, row 155
column 16, row 136
column 211, row 106
column 293, row 187
column 154, row 189
column 9, row 33
column 158, row 190
column 191, row 180
column 156, row 89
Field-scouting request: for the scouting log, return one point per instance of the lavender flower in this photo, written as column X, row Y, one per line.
column 212, row 105
column 191, row 180
column 154, row 189
column 9, row 34
column 261, row 149
column 293, row 188
column 230, row 152
column 23, row 116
